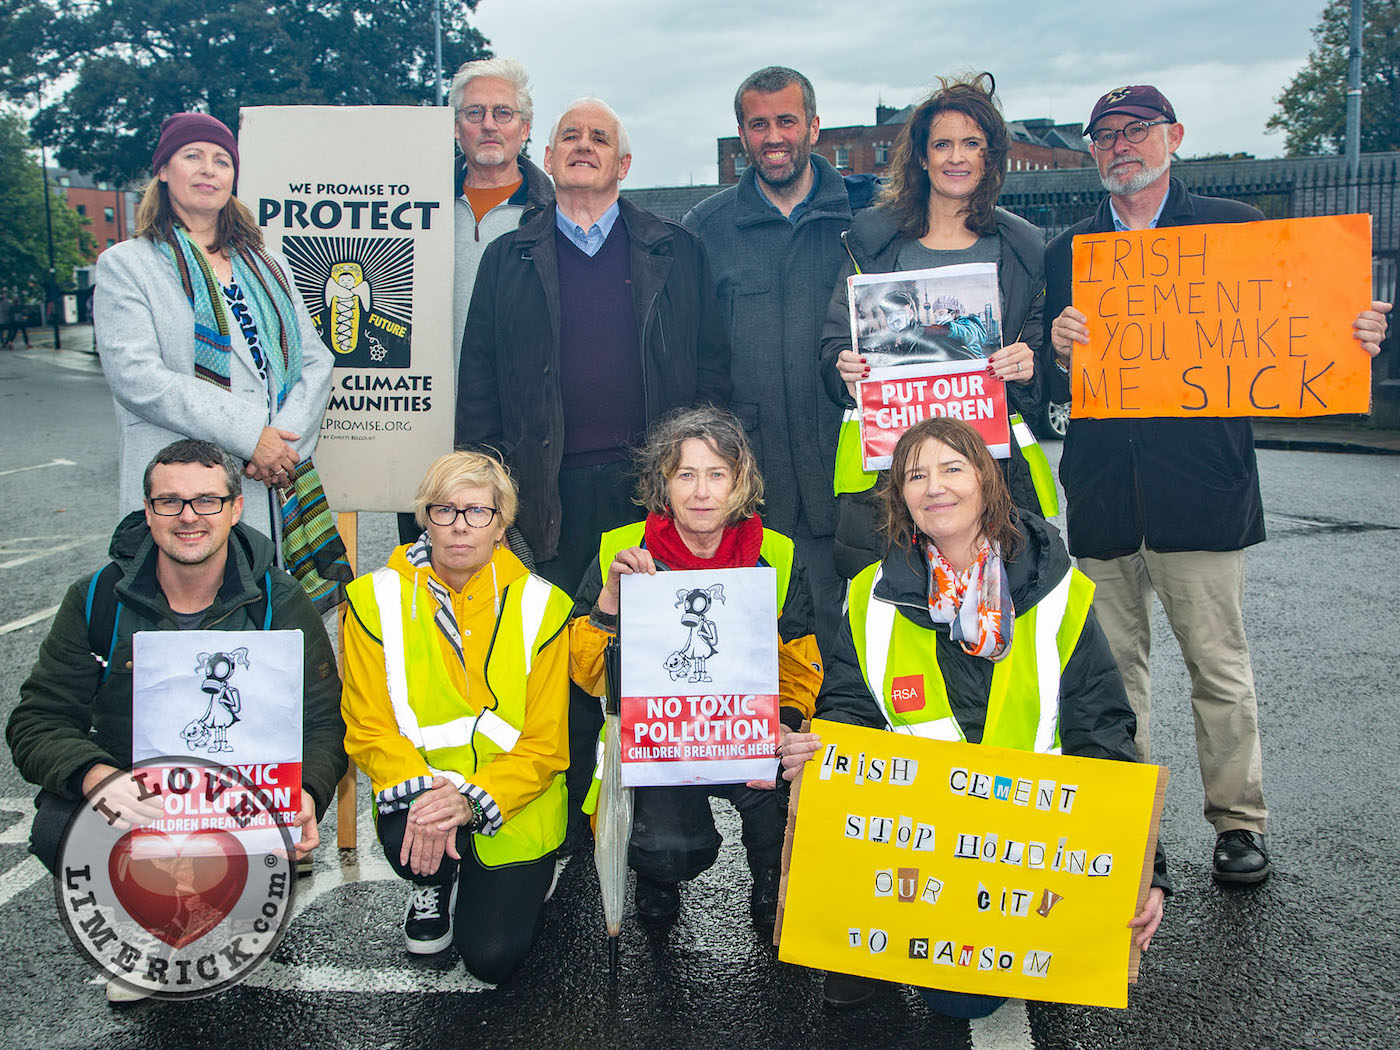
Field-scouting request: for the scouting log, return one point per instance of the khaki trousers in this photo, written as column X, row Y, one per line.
column 1203, row 595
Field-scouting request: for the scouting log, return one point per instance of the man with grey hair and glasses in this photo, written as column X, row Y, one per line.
column 1168, row 505
column 497, row 189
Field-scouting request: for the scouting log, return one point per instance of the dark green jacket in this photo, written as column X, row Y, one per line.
column 68, row 718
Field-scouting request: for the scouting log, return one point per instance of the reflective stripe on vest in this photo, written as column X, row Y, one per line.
column 1044, row 638
column 470, row 741
column 1042, row 477
column 849, row 474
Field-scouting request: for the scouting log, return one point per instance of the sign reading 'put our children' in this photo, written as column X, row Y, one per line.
column 699, row 677
column 968, row 868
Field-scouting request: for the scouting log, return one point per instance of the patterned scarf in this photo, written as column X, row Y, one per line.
column 975, row 603
column 420, row 556
column 269, row 297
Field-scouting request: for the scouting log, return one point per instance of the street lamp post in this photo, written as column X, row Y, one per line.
column 1354, row 110
column 437, row 48
column 51, row 292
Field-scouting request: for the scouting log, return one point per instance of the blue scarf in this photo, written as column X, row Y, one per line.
column 269, row 298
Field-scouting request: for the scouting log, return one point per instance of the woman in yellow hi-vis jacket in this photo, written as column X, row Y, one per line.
column 456, row 705
column 699, row 481
column 951, row 635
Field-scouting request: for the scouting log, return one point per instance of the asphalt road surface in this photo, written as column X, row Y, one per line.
column 1305, row 960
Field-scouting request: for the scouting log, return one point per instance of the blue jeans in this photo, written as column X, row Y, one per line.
column 961, row 1004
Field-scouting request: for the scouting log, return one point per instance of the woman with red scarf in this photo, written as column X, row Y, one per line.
column 699, row 482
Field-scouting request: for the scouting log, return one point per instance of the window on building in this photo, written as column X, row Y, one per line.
column 64, row 180
column 882, row 153
column 109, row 215
column 81, row 209
column 843, row 157
column 110, row 241
column 104, row 185
column 740, row 163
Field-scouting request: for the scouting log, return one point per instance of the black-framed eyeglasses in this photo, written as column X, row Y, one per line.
column 446, row 514
column 1104, row 138
column 500, row 114
column 174, row 506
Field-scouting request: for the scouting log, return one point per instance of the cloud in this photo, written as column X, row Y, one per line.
column 670, row 68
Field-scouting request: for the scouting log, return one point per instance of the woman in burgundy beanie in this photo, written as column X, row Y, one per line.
column 201, row 330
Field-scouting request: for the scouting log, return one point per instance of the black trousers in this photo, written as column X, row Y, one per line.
column 594, row 500
column 51, row 817
column 498, row 909
column 674, row 836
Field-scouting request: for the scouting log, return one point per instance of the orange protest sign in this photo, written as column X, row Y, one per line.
column 1232, row 319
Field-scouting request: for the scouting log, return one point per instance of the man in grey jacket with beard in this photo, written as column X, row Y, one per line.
column 774, row 242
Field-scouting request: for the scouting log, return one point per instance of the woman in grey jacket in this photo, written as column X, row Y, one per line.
column 201, row 331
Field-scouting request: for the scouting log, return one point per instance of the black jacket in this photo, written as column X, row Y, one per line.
column 68, row 718
column 508, row 396
column 773, row 278
column 1096, row 720
column 873, row 242
column 1173, row 484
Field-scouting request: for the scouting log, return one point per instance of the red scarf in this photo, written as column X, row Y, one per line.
column 738, row 546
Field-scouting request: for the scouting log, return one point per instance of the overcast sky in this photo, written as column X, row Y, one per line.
column 670, row 67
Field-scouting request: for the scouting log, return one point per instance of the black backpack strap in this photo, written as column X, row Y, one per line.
column 103, row 613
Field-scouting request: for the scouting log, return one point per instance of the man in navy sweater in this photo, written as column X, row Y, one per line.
column 587, row 323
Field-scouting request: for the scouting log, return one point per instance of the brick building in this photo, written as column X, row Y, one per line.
column 1036, row 145
column 111, row 210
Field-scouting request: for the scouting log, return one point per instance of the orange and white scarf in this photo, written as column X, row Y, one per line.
column 975, row 603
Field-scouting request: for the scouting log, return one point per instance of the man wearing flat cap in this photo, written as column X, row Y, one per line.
column 1169, row 505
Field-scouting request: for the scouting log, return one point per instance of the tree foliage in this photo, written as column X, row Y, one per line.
column 1312, row 109
column 24, row 242
column 125, row 65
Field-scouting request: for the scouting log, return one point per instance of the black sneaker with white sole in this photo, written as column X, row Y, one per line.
column 427, row 921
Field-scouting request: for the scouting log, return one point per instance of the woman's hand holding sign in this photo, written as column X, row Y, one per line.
column 624, row 563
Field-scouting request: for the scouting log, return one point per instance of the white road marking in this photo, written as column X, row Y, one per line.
column 403, row 979
column 39, row 466
column 20, row 878
column 18, row 832
column 53, row 545
column 1007, row 1029
column 25, row 621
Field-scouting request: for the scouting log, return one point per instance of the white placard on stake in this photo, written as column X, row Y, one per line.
column 699, row 677
column 368, row 234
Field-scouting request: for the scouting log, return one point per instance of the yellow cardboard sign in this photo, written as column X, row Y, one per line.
column 968, row 868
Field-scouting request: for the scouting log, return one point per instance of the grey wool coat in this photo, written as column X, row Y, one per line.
column 144, row 328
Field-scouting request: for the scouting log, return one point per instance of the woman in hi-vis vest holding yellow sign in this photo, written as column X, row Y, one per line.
column 947, row 636
column 456, row 704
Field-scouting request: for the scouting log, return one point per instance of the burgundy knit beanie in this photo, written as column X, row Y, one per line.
column 181, row 129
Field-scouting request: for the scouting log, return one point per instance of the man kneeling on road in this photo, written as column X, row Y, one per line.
column 184, row 563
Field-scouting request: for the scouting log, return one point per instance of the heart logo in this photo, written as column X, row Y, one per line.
column 178, row 887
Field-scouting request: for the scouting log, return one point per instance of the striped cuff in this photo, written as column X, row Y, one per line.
column 401, row 795
column 489, row 810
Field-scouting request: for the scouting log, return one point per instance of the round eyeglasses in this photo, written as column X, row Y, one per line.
column 1104, row 138
column 500, row 114
column 445, row 514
